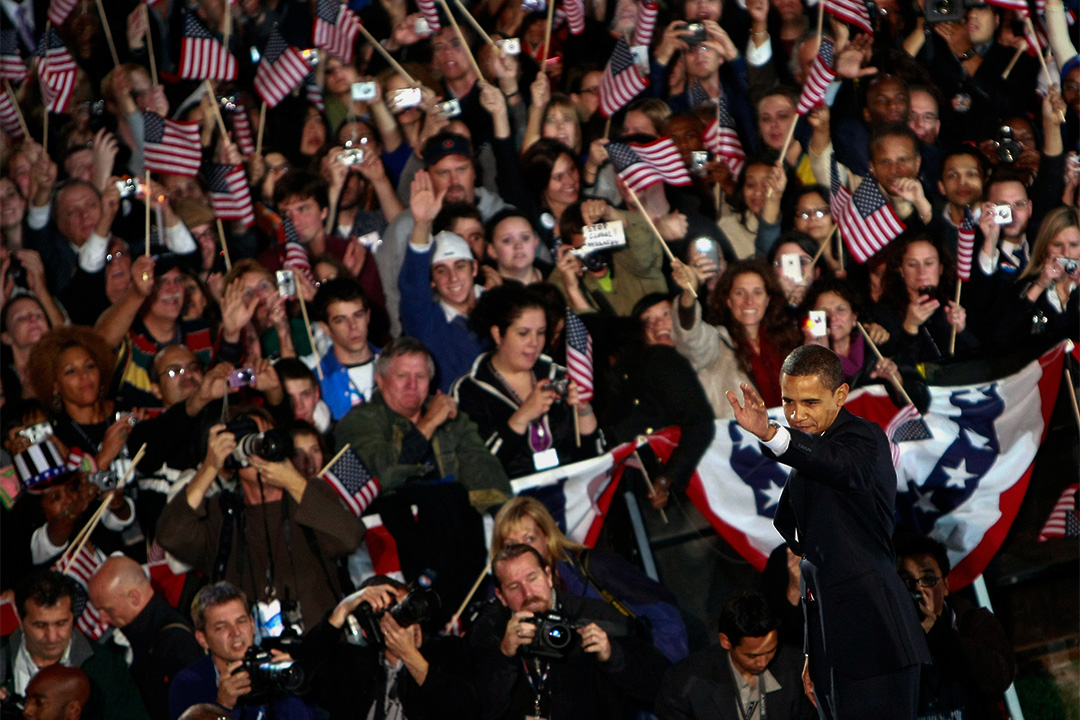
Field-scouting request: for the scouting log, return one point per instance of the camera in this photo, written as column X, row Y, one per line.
column 697, row 34
column 817, row 322
column 128, row 187
column 36, row 433
column 363, row 91
column 1008, row 147
column 927, row 292
column 422, row 27
column 1003, row 215
column 351, row 156
column 511, row 46
column 272, row 445
column 940, row 11
column 448, row 109
column 1069, row 265
column 917, row 598
column 561, row 386
column 405, row 98
column 244, row 377
column 286, row 283
column 419, row 606
column 698, row 158
column 269, row 678
column 554, row 635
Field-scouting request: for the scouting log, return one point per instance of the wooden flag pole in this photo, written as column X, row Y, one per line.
column 89, row 527
column 645, row 474
column 577, row 429
column 334, row 459
column 465, row 602
column 108, row 34
column 310, row 337
column 1042, row 60
column 476, row 26
column 652, row 226
column 952, row 340
column 18, row 111
column 1012, row 63
column 461, row 39
column 795, row 120
column 226, row 30
column 547, row 32
column 896, row 381
column 149, row 45
column 387, row 56
column 821, row 250
column 262, row 124
column 217, row 110
column 1072, row 395
column 224, row 245
column 148, row 202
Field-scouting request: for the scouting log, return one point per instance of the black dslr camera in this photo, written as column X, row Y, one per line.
column 554, row 635
column 272, row 445
column 419, row 606
column 1008, row 147
column 269, row 679
column 941, row 11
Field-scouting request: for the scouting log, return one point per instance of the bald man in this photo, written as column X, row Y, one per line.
column 57, row 693
column 205, row 711
column 161, row 640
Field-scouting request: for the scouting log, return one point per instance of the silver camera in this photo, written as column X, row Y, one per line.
column 286, row 283
column 351, row 156
column 421, row 27
column 1069, row 265
column 363, row 91
column 405, row 98
column 1003, row 214
column 511, row 46
column 449, row 109
column 128, row 187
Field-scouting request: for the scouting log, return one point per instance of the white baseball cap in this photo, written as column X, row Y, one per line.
column 449, row 248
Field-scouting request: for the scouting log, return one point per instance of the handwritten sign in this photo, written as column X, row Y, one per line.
column 602, row 236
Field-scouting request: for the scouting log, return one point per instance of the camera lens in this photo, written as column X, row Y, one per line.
column 558, row 636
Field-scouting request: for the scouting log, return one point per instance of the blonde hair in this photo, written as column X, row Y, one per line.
column 1056, row 222
column 559, row 547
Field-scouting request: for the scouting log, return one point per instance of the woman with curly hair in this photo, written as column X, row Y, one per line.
column 745, row 335
column 916, row 307
column 73, row 366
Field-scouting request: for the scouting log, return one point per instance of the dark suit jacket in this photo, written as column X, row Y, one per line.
column 837, row 512
column 701, row 687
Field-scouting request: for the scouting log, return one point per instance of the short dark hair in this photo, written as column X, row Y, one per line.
column 294, row 369
column 807, row 360
column 747, row 615
column 909, row 545
column 893, row 130
column 963, row 150
column 213, row 595
column 302, row 184
column 512, row 552
column 1003, row 175
column 340, row 289
column 455, row 211
column 45, row 588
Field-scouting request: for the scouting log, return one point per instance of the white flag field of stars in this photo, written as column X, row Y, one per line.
column 963, row 486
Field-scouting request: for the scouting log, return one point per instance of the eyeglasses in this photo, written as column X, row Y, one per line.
column 175, row 371
column 924, row 581
column 816, row 214
column 277, row 168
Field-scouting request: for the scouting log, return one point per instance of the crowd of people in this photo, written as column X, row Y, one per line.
column 411, row 309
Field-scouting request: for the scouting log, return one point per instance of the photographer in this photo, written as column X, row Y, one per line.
column 594, row 674
column 225, row 629
column 274, row 529
column 402, row 674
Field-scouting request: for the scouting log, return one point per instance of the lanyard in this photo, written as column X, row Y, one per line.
column 747, row 712
column 540, row 429
column 537, row 687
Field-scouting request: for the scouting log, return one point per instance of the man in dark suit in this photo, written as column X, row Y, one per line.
column 863, row 639
column 734, row 680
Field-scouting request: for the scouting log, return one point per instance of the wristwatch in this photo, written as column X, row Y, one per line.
column 968, row 54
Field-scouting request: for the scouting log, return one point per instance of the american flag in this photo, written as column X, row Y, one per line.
column 817, row 79
column 313, row 92
column 642, row 165
column 1063, row 522
column 12, row 66
column 646, row 23
column 699, row 96
column 81, row 568
column 431, row 14
column 242, row 133
column 575, row 15
column 202, row 56
column 336, row 28
column 296, row 256
column 850, row 11
column 621, row 82
column 59, row 11
column 1019, row 6
column 579, row 360
column 965, row 246
column 56, row 72
column 353, row 482
column 866, row 220
column 171, row 146
column 229, row 192
column 9, row 116
column 281, row 69
column 723, row 141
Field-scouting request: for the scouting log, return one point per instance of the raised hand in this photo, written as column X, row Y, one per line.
column 752, row 416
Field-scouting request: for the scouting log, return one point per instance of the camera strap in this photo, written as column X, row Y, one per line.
column 271, row 591
column 538, row 686
column 604, row 593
